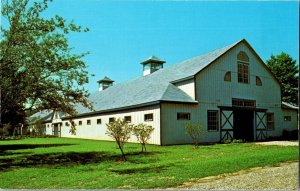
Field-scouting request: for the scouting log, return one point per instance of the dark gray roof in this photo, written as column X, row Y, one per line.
column 153, row 87
column 42, row 115
column 105, row 79
column 153, row 59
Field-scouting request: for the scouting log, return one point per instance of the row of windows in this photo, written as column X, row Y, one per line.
column 243, row 70
column 241, row 78
column 147, row 117
column 212, row 119
column 243, row 103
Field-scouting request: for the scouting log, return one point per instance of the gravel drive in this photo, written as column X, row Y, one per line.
column 279, row 143
column 283, row 177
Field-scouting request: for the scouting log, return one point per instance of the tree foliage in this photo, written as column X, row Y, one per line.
column 195, row 131
column 142, row 133
column 38, row 69
column 285, row 69
column 120, row 131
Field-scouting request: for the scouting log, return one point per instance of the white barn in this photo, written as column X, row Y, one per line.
column 229, row 91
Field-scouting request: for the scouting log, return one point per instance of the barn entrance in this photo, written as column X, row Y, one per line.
column 243, row 124
column 56, row 129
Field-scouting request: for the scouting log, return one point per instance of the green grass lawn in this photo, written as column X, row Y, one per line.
column 52, row 163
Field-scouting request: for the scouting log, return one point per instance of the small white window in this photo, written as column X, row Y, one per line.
column 258, row 81
column 111, row 120
column 98, row 121
column 243, row 67
column 227, row 77
column 212, row 120
column 127, row 119
column 270, row 121
column 183, row 116
column 287, row 118
column 88, row 122
column 148, row 117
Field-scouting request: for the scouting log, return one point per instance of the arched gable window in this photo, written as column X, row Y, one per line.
column 258, row 81
column 243, row 67
column 242, row 56
column 227, row 77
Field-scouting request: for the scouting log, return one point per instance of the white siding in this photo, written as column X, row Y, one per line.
column 289, row 125
column 188, row 86
column 48, row 129
column 97, row 131
column 212, row 90
column 173, row 131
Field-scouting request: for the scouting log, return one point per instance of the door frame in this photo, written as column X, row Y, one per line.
column 225, row 134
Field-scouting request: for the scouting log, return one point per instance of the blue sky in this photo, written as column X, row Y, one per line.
column 124, row 33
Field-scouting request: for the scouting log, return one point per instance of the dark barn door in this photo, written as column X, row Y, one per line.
column 56, row 130
column 243, row 125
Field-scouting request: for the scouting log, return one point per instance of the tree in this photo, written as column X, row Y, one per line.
column 120, row 131
column 37, row 67
column 195, row 131
column 285, row 69
column 142, row 133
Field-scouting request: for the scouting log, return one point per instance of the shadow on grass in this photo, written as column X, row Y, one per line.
column 64, row 159
column 6, row 149
column 28, row 146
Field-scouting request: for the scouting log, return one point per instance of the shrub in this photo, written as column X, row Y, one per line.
column 285, row 134
column 6, row 129
column 120, row 131
column 228, row 141
column 294, row 134
column 142, row 133
column 290, row 135
column 195, row 131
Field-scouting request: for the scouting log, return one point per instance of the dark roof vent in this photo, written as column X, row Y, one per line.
column 151, row 65
column 105, row 83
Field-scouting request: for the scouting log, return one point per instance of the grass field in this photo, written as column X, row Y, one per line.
column 53, row 163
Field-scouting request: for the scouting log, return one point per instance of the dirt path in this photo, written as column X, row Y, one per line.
column 283, row 177
column 279, row 143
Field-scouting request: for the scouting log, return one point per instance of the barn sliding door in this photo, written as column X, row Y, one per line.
column 260, row 125
column 226, row 125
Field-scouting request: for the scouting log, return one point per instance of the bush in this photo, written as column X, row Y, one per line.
column 142, row 133
column 294, row 134
column 229, row 141
column 6, row 129
column 195, row 131
column 290, row 135
column 120, row 131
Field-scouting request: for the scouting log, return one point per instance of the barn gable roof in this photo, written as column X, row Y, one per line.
column 42, row 115
column 154, row 87
column 157, row 86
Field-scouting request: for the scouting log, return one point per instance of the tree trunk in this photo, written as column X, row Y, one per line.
column 123, row 155
column 145, row 147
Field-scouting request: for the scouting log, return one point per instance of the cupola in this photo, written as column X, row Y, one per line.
column 151, row 65
column 105, row 83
